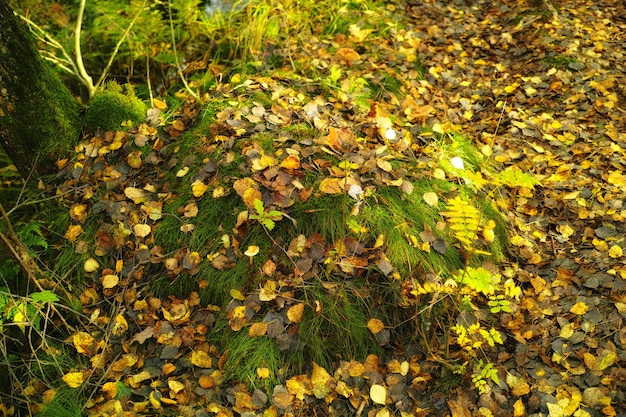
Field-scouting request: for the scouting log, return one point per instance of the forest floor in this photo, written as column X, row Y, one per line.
column 561, row 75
column 536, row 85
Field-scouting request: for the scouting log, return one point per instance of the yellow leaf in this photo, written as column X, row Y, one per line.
column 294, row 314
column 136, row 194
column 590, row 361
column 237, row 295
column 375, row 325
column 84, row 343
column 431, row 198
column 110, row 389
column 239, row 312
column 91, row 265
column 438, row 128
column 134, row 159
column 250, row 195
column 322, row 382
column 74, row 379
column 120, row 326
column 190, row 210
column 384, row 165
column 296, row 388
column 263, row 372
column 489, row 235
column 78, row 212
column 142, row 230
column 155, row 396
column 518, row 408
column 608, row 359
column 579, row 308
column 268, row 292
column 378, row 394
column 566, row 230
column 567, row 331
column 615, row 251
column 201, row 359
column 518, row 386
column 175, row 386
column 110, row 281
column 158, row 104
column 73, row 232
column 257, row 329
column 198, row 188
column 357, row 34
column 510, row 88
column 182, row 172
column 291, row 162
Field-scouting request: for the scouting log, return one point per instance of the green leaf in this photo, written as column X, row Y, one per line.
column 45, row 296
column 269, row 223
column 515, row 178
column 258, row 206
column 122, row 390
column 478, row 279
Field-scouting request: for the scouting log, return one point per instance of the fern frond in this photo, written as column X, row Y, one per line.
column 32, row 236
column 464, row 220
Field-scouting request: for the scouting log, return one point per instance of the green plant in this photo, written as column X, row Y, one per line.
column 24, row 311
column 484, row 372
column 267, row 218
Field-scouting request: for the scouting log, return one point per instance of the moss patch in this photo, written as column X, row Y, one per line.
column 113, row 106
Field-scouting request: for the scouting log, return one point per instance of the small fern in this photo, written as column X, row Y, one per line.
column 32, row 237
column 464, row 220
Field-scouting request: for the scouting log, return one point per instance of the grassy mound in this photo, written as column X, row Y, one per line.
column 300, row 240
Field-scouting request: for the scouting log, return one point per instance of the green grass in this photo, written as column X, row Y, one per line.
column 66, row 403
column 247, row 354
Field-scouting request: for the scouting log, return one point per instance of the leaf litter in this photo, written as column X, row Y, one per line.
column 537, row 87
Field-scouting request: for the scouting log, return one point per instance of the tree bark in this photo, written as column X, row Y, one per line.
column 39, row 119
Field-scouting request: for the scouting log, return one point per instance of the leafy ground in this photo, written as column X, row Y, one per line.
column 545, row 77
column 536, row 86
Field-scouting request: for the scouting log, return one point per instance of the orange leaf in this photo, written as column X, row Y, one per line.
column 348, row 55
column 73, row 232
column 291, row 162
column 331, row 186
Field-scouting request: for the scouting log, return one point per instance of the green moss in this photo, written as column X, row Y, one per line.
column 112, row 106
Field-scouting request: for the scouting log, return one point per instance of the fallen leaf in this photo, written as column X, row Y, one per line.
column 136, row 194
column 142, row 230
column 430, row 198
column 91, row 265
column 201, row 359
column 74, row 379
column 378, row 394
column 198, row 188
column 295, row 312
column 110, row 281
column 375, row 325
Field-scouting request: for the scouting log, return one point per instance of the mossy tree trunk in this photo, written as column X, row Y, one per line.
column 39, row 119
